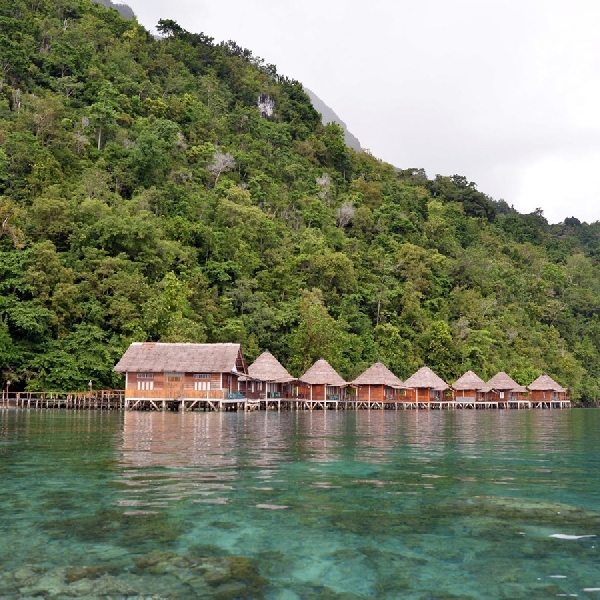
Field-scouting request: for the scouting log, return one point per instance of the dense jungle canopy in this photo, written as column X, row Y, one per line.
column 176, row 189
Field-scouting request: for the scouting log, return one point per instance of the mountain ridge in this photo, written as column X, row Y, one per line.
column 123, row 9
column 330, row 116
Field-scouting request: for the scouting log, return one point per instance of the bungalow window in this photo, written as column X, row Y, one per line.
column 201, row 382
column 501, row 395
column 145, row 381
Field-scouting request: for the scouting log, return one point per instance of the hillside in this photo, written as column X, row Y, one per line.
column 182, row 190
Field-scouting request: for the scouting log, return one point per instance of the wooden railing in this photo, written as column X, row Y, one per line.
column 99, row 399
column 185, row 394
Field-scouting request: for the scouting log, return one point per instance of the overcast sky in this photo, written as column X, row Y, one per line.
column 505, row 92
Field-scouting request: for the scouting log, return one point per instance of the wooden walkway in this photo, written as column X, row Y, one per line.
column 94, row 400
column 115, row 400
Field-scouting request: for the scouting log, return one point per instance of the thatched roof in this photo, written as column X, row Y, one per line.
column 501, row 382
column 379, row 374
column 469, row 381
column 425, row 378
column 545, row 383
column 267, row 368
column 521, row 389
column 322, row 373
column 182, row 358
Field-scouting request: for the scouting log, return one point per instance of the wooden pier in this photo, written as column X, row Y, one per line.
column 94, row 400
column 116, row 400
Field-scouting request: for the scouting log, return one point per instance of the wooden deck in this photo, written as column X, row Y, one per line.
column 115, row 400
column 94, row 400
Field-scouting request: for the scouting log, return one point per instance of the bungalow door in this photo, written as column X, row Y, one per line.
column 174, row 385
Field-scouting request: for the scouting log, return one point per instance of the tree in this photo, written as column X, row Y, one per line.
column 9, row 222
column 103, row 112
column 222, row 162
column 317, row 335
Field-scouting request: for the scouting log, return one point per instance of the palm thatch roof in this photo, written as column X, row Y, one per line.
column 425, row 378
column 469, row 381
column 379, row 374
column 157, row 357
column 500, row 381
column 521, row 389
column 322, row 373
column 545, row 383
column 267, row 368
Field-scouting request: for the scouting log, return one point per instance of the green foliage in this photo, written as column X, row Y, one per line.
column 144, row 195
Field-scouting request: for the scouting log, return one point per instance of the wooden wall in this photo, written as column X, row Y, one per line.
column 162, row 387
column 471, row 394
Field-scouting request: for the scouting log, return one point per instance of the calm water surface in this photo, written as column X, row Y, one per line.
column 468, row 504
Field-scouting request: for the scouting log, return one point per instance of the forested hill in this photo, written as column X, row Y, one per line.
column 182, row 190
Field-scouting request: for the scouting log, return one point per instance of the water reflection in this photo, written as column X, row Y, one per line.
column 211, row 457
column 230, row 440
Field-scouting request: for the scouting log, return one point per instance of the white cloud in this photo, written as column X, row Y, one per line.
column 504, row 92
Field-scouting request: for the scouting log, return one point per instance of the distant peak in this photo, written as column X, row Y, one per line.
column 124, row 10
column 329, row 116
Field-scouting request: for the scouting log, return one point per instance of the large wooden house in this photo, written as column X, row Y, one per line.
column 545, row 389
column 468, row 387
column 267, row 378
column 321, row 382
column 425, row 386
column 162, row 371
column 378, row 384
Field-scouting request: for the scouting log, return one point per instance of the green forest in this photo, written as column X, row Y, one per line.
column 181, row 190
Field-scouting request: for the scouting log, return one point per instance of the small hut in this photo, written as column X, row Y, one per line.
column 544, row 388
column 501, row 388
column 467, row 387
column 321, row 382
column 267, row 378
column 377, row 384
column 424, row 386
column 170, row 371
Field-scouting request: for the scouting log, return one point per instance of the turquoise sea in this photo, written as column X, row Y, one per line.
column 466, row 504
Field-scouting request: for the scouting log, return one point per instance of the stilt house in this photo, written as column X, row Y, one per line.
column 377, row 384
column 267, row 378
column 321, row 382
column 544, row 388
column 424, row 386
column 467, row 387
column 180, row 371
column 501, row 388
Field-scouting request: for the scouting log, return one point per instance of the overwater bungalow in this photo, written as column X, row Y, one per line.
column 545, row 389
column 501, row 388
column 425, row 386
column 377, row 384
column 467, row 387
column 161, row 371
column 267, row 378
column 321, row 382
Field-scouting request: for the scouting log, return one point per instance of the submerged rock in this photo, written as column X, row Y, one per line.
column 153, row 576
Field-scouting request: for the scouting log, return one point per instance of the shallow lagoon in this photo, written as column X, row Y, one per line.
column 300, row 505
